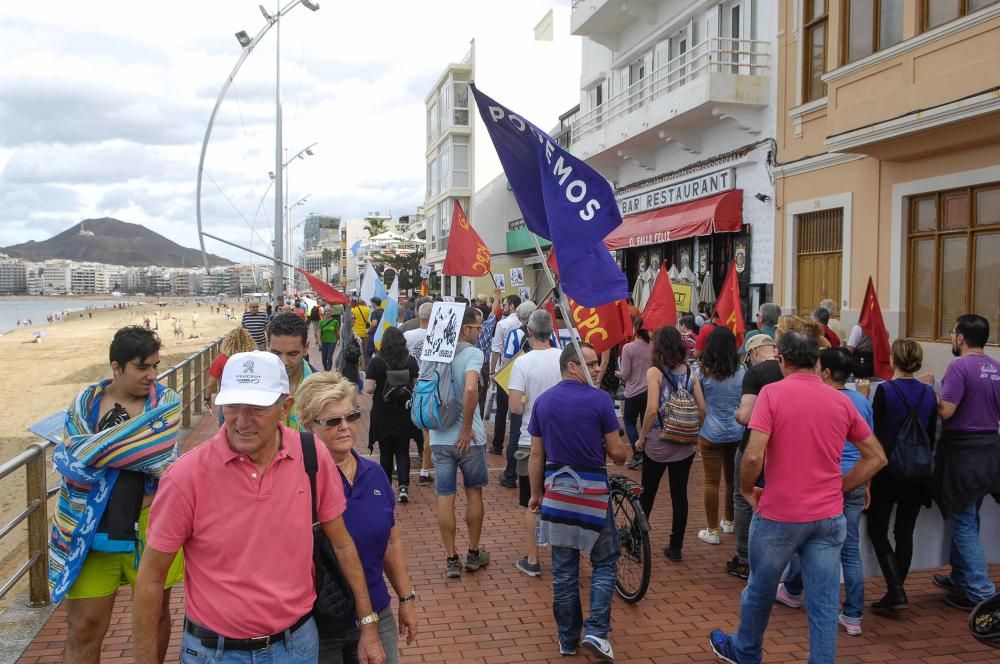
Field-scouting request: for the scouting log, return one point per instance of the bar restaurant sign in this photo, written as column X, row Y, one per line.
column 680, row 192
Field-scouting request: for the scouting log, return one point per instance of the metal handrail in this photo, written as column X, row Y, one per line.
column 742, row 57
column 33, row 459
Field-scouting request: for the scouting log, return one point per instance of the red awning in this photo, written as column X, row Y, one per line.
column 722, row 213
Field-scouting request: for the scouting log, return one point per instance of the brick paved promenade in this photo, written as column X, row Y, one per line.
column 500, row 615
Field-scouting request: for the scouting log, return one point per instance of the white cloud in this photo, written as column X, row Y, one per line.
column 103, row 108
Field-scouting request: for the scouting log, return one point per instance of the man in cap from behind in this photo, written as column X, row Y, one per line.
column 240, row 505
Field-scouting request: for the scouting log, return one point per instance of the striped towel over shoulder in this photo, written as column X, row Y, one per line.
column 574, row 506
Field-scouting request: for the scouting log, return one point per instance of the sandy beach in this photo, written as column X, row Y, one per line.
column 37, row 379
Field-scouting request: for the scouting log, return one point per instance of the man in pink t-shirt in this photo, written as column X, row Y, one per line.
column 798, row 429
column 240, row 506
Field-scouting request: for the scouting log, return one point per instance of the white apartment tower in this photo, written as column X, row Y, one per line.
column 677, row 110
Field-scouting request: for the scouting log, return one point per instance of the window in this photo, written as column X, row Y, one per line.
column 939, row 12
column 866, row 35
column 461, row 111
column 814, row 50
column 460, row 155
column 954, row 241
column 433, row 123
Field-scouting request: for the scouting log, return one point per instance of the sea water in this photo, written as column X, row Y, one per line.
column 37, row 309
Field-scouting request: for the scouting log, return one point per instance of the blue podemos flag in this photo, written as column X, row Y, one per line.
column 563, row 200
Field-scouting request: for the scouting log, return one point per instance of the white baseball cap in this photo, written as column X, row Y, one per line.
column 253, row 379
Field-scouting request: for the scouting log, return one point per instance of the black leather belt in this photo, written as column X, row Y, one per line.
column 210, row 639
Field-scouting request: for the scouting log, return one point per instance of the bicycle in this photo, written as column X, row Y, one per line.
column 635, row 563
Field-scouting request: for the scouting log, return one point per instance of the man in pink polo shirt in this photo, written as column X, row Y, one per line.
column 798, row 429
column 240, row 507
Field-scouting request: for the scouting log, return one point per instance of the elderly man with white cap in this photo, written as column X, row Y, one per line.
column 240, row 507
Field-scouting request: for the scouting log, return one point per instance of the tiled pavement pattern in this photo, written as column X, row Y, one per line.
column 500, row 615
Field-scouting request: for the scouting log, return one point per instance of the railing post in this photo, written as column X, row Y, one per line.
column 199, row 378
column 186, row 394
column 38, row 526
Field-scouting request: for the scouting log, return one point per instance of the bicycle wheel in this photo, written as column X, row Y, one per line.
column 635, row 563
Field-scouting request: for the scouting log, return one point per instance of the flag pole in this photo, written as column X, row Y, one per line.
column 564, row 307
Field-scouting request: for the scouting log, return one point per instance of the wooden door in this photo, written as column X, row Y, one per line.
column 819, row 256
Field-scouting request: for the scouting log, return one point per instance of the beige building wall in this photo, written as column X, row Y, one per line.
column 920, row 116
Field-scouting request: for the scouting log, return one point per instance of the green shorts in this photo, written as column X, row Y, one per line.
column 102, row 573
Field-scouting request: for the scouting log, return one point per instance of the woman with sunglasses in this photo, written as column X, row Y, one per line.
column 328, row 406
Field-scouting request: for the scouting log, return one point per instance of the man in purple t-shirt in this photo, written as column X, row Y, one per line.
column 968, row 457
column 573, row 426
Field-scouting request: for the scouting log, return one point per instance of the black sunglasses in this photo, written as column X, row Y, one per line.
column 334, row 422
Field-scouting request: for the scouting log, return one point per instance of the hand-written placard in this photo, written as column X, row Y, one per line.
column 443, row 332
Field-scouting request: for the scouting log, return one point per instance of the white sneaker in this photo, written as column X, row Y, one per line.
column 708, row 535
column 600, row 647
column 727, row 526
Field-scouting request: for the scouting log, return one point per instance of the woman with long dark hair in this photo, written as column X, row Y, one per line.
column 637, row 357
column 717, row 391
column 390, row 379
column 669, row 372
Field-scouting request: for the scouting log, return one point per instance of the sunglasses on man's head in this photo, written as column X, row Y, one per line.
column 334, row 422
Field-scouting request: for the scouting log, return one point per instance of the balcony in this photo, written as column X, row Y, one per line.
column 686, row 93
column 933, row 92
column 603, row 20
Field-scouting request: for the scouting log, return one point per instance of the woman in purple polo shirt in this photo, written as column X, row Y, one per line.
column 328, row 406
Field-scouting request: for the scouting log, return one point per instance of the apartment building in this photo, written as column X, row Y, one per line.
column 13, row 276
column 888, row 136
column 677, row 107
column 532, row 68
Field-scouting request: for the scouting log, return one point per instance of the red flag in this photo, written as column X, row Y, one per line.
column 873, row 325
column 550, row 306
column 729, row 306
column 661, row 307
column 467, row 253
column 424, row 288
column 325, row 290
column 602, row 327
column 551, row 260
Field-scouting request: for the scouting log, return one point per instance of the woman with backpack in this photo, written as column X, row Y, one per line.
column 905, row 413
column 669, row 431
column 390, row 378
column 717, row 392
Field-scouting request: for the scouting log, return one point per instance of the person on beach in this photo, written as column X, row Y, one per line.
column 249, row 590
column 288, row 338
column 121, row 436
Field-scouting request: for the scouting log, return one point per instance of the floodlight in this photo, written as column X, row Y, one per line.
column 309, row 152
column 243, row 38
column 267, row 17
column 313, row 6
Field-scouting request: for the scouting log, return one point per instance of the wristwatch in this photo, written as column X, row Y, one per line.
column 370, row 619
column 409, row 598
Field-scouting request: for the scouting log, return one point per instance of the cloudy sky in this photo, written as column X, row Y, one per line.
column 103, row 108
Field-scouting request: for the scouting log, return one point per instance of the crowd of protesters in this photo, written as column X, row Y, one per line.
column 795, row 442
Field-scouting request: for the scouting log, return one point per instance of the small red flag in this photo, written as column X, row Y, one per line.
column 661, row 308
column 467, row 253
column 325, row 290
column 602, row 327
column 551, row 260
column 873, row 325
column 424, row 288
column 729, row 306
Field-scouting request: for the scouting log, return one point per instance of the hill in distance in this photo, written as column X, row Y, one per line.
column 113, row 242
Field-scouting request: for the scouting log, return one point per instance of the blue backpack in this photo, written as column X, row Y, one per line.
column 436, row 403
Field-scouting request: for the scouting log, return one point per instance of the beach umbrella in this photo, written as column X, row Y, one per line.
column 707, row 291
column 39, row 333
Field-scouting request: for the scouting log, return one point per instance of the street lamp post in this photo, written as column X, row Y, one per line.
column 248, row 45
column 301, row 154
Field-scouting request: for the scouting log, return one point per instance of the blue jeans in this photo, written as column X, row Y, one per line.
column 326, row 352
column 968, row 562
column 299, row 647
column 850, row 558
column 566, row 587
column 772, row 545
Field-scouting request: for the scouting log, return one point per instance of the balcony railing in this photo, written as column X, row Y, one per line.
column 741, row 57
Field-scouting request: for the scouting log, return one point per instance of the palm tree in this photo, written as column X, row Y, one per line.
column 327, row 258
column 374, row 226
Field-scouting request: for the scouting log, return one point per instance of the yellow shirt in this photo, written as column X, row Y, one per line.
column 362, row 319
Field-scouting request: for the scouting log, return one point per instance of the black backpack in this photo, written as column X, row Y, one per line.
column 334, row 606
column 912, row 455
column 397, row 390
